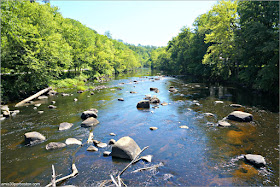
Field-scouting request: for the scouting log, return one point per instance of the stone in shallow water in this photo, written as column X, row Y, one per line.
column 101, row 145
column 143, row 104
column 120, row 99
column 89, row 113
column 112, row 134
column 235, row 105
column 240, row 116
column 112, row 141
column 92, row 148
column 223, row 123
column 153, row 128
column 184, row 127
column 89, row 122
column 106, row 153
column 65, row 126
column 70, row 141
column 34, row 137
column 147, row 158
column 125, row 148
column 218, row 102
column 256, row 160
column 55, row 145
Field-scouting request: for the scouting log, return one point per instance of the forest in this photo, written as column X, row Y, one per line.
column 38, row 46
column 236, row 41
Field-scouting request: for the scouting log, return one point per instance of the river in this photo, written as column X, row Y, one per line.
column 203, row 154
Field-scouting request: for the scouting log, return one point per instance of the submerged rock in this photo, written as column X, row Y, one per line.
column 34, row 138
column 120, row 99
column 143, row 104
column 240, row 116
column 38, row 104
column 40, row 112
column 89, row 113
column 70, row 141
column 65, row 94
column 256, row 160
column 55, row 145
column 112, row 134
column 89, row 122
column 125, row 148
column 65, row 126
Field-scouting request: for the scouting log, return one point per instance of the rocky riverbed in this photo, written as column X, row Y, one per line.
column 197, row 133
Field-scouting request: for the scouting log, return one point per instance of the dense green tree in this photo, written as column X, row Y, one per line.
column 222, row 24
column 258, row 43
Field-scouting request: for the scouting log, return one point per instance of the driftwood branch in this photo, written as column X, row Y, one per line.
column 114, row 181
column 53, row 177
column 33, row 96
column 74, row 172
column 133, row 161
column 148, row 168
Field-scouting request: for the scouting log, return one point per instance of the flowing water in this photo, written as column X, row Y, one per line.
column 202, row 154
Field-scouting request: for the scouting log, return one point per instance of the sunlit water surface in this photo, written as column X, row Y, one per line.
column 203, row 154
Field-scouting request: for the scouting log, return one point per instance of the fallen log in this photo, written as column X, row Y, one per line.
column 74, row 173
column 33, row 96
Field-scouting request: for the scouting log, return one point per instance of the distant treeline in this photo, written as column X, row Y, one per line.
column 236, row 41
column 38, row 44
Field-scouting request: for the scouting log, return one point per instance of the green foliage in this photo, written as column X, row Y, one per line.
column 38, row 44
column 233, row 42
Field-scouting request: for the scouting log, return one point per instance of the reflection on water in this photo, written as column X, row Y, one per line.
column 203, row 154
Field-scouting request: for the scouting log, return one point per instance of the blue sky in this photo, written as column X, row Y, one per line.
column 135, row 22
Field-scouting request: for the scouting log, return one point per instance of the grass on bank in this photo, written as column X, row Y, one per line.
column 76, row 82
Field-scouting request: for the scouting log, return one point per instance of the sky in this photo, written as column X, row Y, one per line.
column 135, row 22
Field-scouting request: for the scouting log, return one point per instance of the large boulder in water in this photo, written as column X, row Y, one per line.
column 125, row 148
column 240, row 116
column 88, row 113
column 65, row 126
column 89, row 122
column 34, row 137
column 143, row 104
column 256, row 160
column 55, row 145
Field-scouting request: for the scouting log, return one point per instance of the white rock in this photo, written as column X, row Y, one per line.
column 70, row 141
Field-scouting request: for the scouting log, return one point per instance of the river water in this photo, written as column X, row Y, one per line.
column 203, row 154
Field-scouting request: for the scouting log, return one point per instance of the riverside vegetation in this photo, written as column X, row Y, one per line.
column 236, row 41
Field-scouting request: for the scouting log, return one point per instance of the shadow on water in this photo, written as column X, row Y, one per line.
column 201, row 154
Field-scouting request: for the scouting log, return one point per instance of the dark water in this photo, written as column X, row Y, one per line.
column 203, row 154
